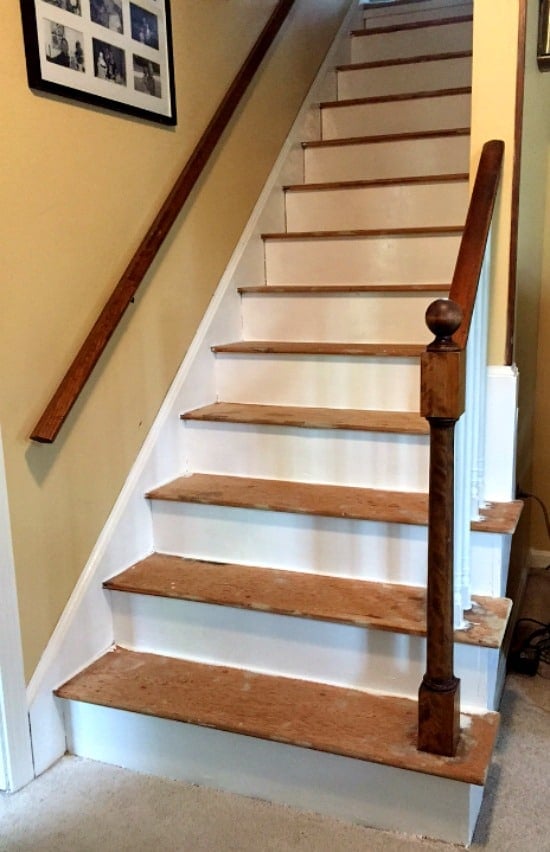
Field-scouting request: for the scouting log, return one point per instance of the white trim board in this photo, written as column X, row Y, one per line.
column 127, row 535
column 16, row 765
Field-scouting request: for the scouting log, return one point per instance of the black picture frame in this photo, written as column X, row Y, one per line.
column 543, row 45
column 115, row 54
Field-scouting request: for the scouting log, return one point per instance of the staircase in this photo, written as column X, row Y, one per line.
column 274, row 642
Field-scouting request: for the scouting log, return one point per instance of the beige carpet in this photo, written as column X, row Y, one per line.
column 82, row 806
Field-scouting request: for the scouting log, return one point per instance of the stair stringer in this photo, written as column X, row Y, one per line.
column 85, row 630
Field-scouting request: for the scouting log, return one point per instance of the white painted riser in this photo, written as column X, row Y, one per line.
column 354, row 317
column 336, row 457
column 386, row 259
column 403, row 158
column 387, row 384
column 355, row 790
column 340, row 654
column 398, row 79
column 416, row 42
column 394, row 206
column 421, row 11
column 410, row 115
column 366, row 550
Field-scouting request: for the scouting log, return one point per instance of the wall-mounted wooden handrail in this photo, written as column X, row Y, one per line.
column 81, row 368
column 442, row 403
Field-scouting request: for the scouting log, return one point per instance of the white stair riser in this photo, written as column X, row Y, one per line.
column 289, row 646
column 383, row 117
column 398, row 79
column 387, row 384
column 415, row 42
column 310, row 780
column 309, row 455
column 393, row 553
column 393, row 206
column 415, row 12
column 385, row 259
column 401, row 158
column 354, row 317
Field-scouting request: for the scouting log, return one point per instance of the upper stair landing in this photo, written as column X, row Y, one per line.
column 397, row 41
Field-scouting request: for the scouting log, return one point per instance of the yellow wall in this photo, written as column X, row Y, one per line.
column 79, row 188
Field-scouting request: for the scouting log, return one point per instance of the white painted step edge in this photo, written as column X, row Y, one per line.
column 348, row 789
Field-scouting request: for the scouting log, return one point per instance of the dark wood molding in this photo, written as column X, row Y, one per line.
column 408, row 60
column 82, row 366
column 387, row 137
column 407, row 96
column 415, row 25
column 516, row 169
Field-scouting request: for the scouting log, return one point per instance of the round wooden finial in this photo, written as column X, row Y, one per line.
column 443, row 317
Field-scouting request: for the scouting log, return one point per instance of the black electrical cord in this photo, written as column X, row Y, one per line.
column 524, row 495
column 533, row 650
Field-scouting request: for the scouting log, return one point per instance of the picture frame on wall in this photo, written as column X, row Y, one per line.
column 115, row 54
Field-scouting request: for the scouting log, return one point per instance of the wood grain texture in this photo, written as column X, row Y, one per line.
column 284, row 347
column 380, row 606
column 82, row 366
column 408, row 60
column 400, row 422
column 365, row 233
column 326, row 718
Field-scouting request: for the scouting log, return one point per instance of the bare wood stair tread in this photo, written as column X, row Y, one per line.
column 283, row 347
column 306, row 498
column 380, row 182
column 388, row 137
column 366, row 726
column 381, row 606
column 365, row 233
column 401, row 422
column 405, row 96
column 407, row 60
column 414, row 25
column 297, row 289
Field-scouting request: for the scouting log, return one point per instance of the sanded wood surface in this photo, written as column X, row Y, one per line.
column 380, row 138
column 414, row 25
column 363, row 184
column 339, row 501
column 91, row 350
column 362, row 233
column 296, row 289
column 406, row 96
column 407, row 60
column 306, row 347
column 366, row 726
column 401, row 422
column 380, row 606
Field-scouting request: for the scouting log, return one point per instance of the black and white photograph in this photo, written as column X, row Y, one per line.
column 63, row 46
column 114, row 54
column 144, row 26
column 147, row 76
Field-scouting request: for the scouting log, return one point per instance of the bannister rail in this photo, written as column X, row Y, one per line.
column 72, row 384
column 443, row 395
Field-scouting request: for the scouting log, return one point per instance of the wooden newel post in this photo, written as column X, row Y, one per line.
column 442, row 403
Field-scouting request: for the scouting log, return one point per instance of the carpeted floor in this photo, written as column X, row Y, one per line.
column 83, row 806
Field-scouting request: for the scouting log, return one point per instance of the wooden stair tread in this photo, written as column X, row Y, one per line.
column 376, row 728
column 401, row 422
column 405, row 96
column 413, row 25
column 434, row 231
column 407, row 60
column 339, row 501
column 294, row 347
column 388, row 137
column 297, row 289
column 344, row 600
column 306, row 498
column 380, row 182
